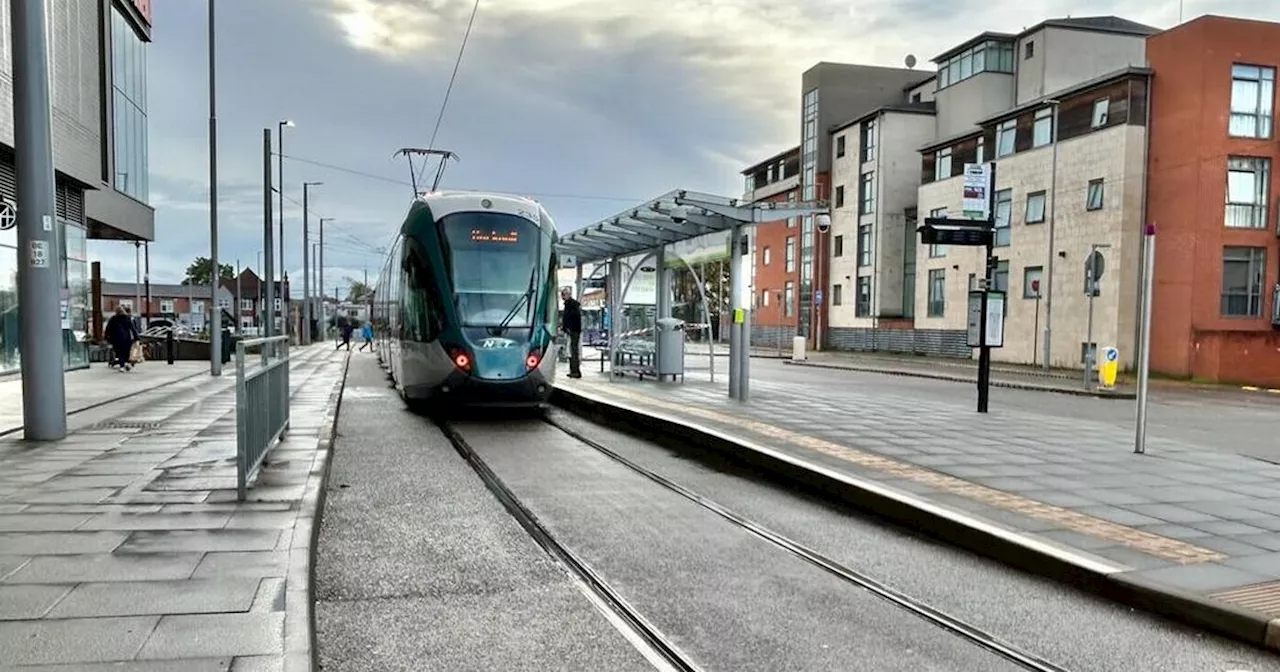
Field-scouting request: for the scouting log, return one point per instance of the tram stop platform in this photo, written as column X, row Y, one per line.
column 123, row 546
column 1183, row 530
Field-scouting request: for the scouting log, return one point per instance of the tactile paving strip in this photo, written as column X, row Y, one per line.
column 1166, row 548
column 1263, row 598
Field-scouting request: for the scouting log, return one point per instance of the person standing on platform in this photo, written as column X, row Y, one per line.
column 572, row 325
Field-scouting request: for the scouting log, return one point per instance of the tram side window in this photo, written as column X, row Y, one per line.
column 423, row 313
column 553, row 295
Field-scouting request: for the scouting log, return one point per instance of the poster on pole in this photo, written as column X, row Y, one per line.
column 977, row 191
column 995, row 318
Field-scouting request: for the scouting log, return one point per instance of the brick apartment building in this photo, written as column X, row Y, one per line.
column 1211, row 193
column 1175, row 127
column 775, row 273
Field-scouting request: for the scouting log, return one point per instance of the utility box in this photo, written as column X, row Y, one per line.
column 797, row 349
column 670, row 341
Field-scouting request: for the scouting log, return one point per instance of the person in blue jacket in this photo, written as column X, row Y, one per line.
column 366, row 332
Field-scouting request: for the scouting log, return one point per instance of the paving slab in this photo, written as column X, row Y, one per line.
column 117, row 545
column 1182, row 518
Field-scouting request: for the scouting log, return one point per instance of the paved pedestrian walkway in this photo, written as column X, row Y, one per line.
column 125, row 541
column 94, row 386
column 965, row 371
column 1181, row 518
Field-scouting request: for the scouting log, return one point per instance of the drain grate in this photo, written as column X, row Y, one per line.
column 126, row 424
column 1263, row 598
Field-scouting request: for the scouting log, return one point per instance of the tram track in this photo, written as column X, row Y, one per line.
column 657, row 646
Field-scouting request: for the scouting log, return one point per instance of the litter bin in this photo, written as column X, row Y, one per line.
column 670, row 347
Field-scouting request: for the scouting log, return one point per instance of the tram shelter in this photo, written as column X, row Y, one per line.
column 650, row 229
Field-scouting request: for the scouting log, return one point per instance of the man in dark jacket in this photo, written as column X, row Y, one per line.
column 572, row 325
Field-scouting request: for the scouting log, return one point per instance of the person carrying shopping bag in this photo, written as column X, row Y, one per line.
column 123, row 336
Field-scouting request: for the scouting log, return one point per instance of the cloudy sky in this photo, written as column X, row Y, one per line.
column 587, row 105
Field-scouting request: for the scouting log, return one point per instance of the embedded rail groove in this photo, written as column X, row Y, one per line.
column 642, row 634
column 956, row 626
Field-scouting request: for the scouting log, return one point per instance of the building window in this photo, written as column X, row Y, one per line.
column 198, row 307
column 1031, row 281
column 937, row 292
column 942, row 164
column 789, row 298
column 166, row 306
column 1001, row 276
column 837, row 295
column 1003, row 213
column 938, row 250
column 1006, row 133
column 990, row 56
column 981, row 152
column 867, row 194
column 1242, row 269
column 277, row 303
column 1252, row 101
column 224, row 303
column 1248, row 180
column 764, row 298
column 791, row 254
column 126, row 303
column 1029, row 50
column 129, row 108
column 246, row 304
column 1035, row 207
column 864, row 245
column 862, row 306
column 1101, row 107
column 839, row 146
column 837, row 247
column 1042, row 129
column 840, row 196
column 867, row 141
column 1094, row 195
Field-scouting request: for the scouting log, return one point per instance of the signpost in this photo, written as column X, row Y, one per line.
column 1094, row 266
column 976, row 229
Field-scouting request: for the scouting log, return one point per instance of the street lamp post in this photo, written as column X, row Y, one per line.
column 1048, row 275
column 305, row 336
column 284, row 273
column 324, row 317
column 215, row 320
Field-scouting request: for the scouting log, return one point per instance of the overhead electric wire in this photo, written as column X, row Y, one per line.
column 457, row 63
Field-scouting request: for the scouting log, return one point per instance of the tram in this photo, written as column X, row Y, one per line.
column 465, row 308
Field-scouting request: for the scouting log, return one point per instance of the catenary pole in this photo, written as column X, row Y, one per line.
column 44, row 410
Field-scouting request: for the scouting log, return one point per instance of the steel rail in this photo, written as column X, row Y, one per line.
column 641, row 633
column 935, row 616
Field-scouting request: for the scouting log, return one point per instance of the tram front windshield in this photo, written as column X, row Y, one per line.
column 494, row 264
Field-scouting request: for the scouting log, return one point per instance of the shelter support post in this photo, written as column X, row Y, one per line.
column 662, row 299
column 613, row 299
column 735, row 326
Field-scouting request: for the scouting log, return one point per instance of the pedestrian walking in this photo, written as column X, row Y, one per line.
column 345, row 328
column 366, row 332
column 572, row 325
column 121, row 333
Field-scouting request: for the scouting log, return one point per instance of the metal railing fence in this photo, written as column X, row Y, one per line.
column 262, row 405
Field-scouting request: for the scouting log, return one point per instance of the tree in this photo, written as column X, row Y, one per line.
column 358, row 291
column 201, row 270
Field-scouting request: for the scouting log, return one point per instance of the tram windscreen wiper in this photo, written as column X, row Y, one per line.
column 524, row 298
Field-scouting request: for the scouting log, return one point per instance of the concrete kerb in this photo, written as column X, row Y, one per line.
column 1032, row 387
column 317, row 491
column 1018, row 550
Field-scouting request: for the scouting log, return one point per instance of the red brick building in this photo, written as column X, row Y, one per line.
column 775, row 275
column 1211, row 194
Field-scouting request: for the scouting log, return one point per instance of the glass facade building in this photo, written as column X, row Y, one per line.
column 75, row 297
column 129, row 108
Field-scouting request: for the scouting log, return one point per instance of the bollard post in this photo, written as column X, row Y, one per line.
column 169, row 345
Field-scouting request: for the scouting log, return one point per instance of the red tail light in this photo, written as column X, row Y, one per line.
column 533, row 360
column 461, row 359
